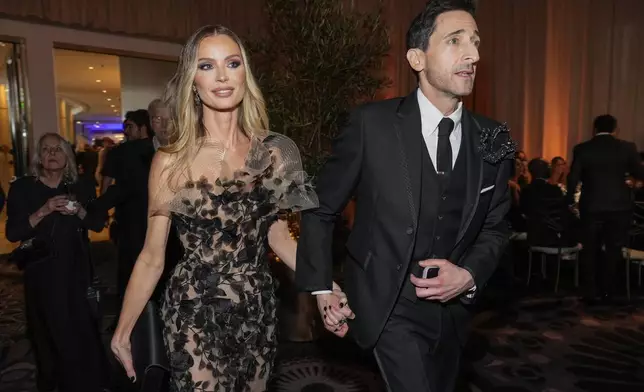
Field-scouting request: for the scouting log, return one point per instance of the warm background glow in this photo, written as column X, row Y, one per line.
column 547, row 66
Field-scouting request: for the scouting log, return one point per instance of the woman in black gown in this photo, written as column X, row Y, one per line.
column 52, row 207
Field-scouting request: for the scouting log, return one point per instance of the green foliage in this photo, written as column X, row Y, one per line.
column 316, row 61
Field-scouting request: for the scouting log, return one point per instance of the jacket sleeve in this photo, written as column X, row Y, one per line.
column 95, row 218
column 482, row 258
column 18, row 227
column 336, row 183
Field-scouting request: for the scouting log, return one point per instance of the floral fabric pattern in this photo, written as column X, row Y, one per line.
column 220, row 308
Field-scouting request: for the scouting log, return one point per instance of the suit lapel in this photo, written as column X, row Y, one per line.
column 410, row 141
column 470, row 142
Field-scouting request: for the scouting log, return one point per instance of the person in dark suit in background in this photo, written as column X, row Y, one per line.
column 602, row 165
column 127, row 166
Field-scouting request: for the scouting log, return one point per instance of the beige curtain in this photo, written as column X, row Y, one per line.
column 548, row 67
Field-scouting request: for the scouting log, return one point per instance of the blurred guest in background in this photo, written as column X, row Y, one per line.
column 602, row 165
column 558, row 173
column 159, row 119
column 515, row 216
column 523, row 175
column 106, row 145
column 549, row 220
column 136, row 126
column 87, row 161
column 49, row 213
column 127, row 166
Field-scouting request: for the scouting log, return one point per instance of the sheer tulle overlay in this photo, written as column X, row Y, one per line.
column 219, row 308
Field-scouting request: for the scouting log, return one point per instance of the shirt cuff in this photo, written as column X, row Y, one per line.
column 469, row 294
column 321, row 292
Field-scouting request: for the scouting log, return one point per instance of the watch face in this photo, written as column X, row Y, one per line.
column 70, row 205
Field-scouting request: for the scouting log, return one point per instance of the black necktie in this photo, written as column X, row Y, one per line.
column 444, row 151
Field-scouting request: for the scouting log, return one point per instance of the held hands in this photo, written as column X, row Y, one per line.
column 451, row 281
column 122, row 349
column 335, row 311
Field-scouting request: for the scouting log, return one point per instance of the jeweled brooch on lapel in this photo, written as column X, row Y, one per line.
column 506, row 150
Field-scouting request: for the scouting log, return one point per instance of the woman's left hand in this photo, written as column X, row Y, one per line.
column 122, row 350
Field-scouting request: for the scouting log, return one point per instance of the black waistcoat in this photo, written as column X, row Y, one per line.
column 440, row 215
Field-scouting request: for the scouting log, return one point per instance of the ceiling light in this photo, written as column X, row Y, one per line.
column 104, row 91
column 97, row 122
column 116, row 111
column 109, row 99
column 91, row 67
column 98, row 80
column 112, row 106
column 79, row 122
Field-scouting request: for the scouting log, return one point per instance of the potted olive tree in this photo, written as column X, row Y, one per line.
column 316, row 60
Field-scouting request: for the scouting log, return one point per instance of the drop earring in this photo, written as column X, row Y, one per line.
column 197, row 99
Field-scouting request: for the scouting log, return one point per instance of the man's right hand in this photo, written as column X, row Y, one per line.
column 335, row 311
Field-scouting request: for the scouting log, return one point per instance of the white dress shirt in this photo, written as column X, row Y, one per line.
column 430, row 117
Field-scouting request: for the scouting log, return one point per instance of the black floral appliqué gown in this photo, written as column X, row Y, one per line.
column 220, row 307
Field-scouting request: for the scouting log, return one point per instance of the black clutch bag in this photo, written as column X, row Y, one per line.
column 148, row 348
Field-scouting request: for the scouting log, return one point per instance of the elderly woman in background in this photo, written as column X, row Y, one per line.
column 48, row 213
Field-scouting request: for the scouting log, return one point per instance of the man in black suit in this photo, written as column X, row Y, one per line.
column 128, row 165
column 427, row 196
column 602, row 165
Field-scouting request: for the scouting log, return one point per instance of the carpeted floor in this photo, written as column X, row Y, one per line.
column 534, row 342
column 559, row 346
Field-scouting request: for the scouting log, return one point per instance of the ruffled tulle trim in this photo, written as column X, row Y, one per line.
column 274, row 162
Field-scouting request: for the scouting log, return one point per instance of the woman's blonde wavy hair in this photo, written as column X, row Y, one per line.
column 186, row 128
column 70, row 173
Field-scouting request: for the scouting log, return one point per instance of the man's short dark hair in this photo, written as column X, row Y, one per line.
column 556, row 160
column 423, row 25
column 539, row 168
column 140, row 117
column 605, row 124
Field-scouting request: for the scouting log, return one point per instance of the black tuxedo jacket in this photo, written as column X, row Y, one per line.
column 377, row 158
column 601, row 165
